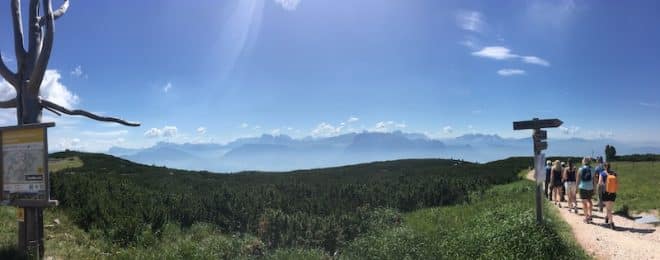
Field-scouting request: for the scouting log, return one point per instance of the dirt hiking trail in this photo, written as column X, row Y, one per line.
column 629, row 240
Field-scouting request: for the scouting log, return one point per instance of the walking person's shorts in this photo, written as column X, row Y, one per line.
column 586, row 194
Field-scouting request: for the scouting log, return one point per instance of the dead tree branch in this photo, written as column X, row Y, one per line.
column 18, row 32
column 59, row 12
column 51, row 105
column 8, row 103
column 42, row 61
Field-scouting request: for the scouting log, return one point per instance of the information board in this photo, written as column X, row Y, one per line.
column 24, row 163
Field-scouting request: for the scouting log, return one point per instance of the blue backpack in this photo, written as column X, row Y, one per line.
column 585, row 173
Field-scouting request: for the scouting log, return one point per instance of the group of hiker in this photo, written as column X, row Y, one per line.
column 565, row 179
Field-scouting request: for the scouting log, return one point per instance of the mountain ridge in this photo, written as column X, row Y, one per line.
column 282, row 152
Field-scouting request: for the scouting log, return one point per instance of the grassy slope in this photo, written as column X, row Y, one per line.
column 638, row 185
column 499, row 224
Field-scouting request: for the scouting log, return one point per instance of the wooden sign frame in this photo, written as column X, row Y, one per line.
column 24, row 199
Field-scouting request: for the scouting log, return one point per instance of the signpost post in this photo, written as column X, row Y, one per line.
column 25, row 179
column 540, row 144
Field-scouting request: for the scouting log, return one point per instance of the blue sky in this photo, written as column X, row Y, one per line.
column 213, row 71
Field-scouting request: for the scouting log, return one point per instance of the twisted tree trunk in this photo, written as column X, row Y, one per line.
column 31, row 64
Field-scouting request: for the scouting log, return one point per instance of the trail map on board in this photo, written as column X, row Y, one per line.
column 23, row 155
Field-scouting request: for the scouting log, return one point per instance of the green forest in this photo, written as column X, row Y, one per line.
column 324, row 209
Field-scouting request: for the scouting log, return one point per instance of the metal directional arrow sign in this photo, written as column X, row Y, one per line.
column 537, row 124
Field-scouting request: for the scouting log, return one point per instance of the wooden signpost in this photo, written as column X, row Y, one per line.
column 539, row 136
column 25, row 179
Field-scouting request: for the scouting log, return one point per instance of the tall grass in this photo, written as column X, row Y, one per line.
column 639, row 183
column 501, row 225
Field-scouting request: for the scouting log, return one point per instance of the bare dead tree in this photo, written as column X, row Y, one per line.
column 31, row 64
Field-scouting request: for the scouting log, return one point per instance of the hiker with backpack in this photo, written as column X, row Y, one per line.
column 555, row 180
column 609, row 180
column 548, row 187
column 586, row 187
column 600, row 171
column 570, row 180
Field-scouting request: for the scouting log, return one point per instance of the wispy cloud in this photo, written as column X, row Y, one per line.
column 651, row 105
column 201, row 130
column 535, row 60
column 447, row 130
column 470, row 20
column 244, row 125
column 78, row 72
column 569, row 130
column 504, row 53
column 289, row 5
column 325, row 130
column 495, row 52
column 167, row 131
column 510, row 72
column 167, row 87
column 388, row 126
column 70, row 144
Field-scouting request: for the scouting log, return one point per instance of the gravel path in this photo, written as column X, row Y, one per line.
column 630, row 240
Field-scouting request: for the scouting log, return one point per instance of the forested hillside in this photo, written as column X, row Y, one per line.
column 319, row 208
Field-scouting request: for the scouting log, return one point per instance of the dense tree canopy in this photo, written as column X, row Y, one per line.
column 320, row 208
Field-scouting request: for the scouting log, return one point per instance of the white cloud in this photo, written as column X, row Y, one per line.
column 5, row 58
column 325, row 130
column 70, row 144
column 352, row 119
column 495, row 52
column 167, row 87
column 503, row 53
column 6, row 90
column 53, row 90
column 275, row 131
column 153, row 132
column 388, row 126
column 510, row 72
column 535, row 60
column 167, row 131
column 288, row 5
column 257, row 127
column 447, row 130
column 78, row 72
column 470, row 20
column 569, row 130
column 201, row 130
column 244, row 125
